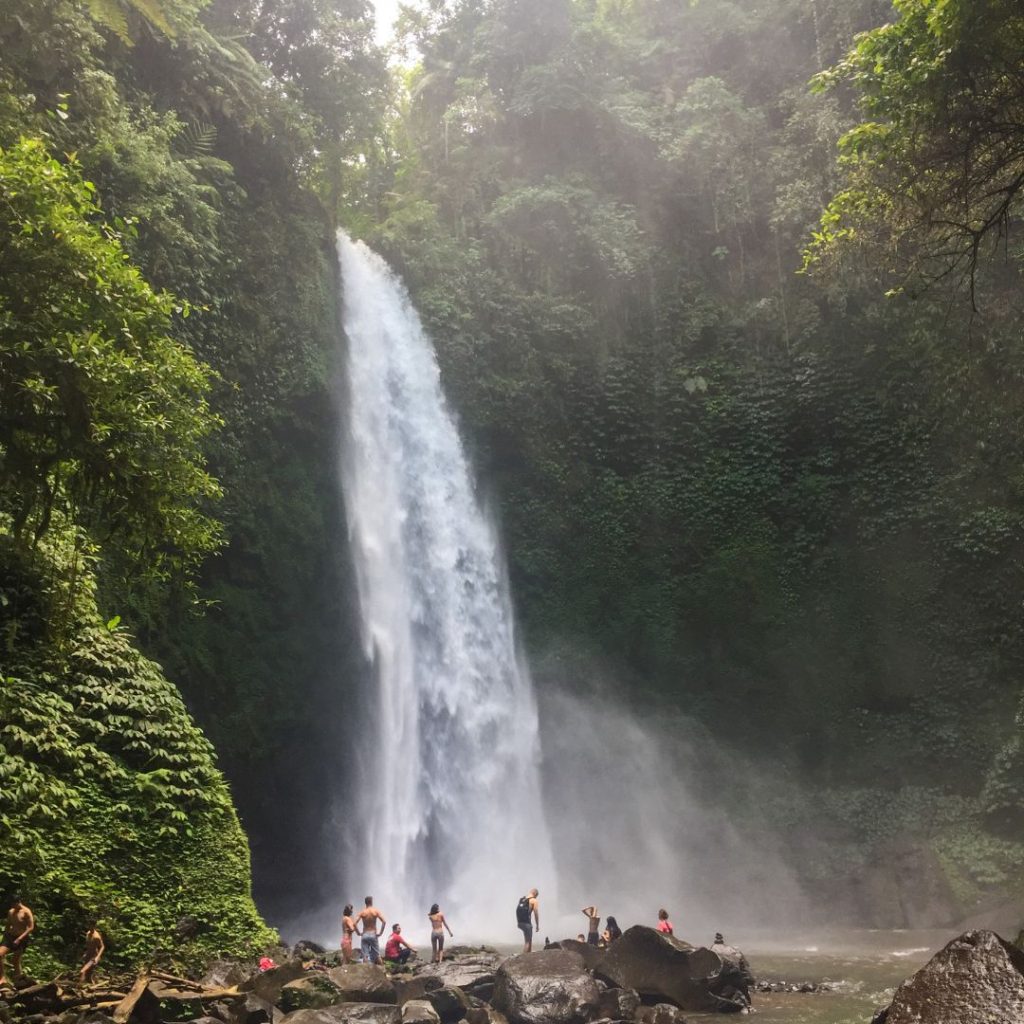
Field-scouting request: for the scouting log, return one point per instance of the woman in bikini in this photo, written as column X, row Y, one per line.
column 348, row 929
column 437, row 927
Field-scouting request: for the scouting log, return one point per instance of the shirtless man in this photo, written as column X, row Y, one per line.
column 532, row 907
column 593, row 925
column 370, row 925
column 94, row 947
column 17, row 935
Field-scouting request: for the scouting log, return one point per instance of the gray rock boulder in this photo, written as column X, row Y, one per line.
column 364, row 983
column 546, row 987
column 592, row 955
column 419, row 1011
column 660, row 1013
column 473, row 972
column 268, row 985
column 618, row 1003
column 978, row 978
column 313, row 992
column 347, row 1013
column 485, row 1015
column 662, row 968
column 416, row 987
column 224, row 974
column 450, row 1004
column 251, row 1009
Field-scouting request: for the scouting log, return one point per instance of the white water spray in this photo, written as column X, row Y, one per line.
column 451, row 803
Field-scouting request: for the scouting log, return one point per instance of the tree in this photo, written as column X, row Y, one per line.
column 935, row 171
column 102, row 414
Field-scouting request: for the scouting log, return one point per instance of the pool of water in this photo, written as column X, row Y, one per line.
column 861, row 968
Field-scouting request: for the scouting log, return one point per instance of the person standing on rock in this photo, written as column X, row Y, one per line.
column 370, row 925
column 664, row 924
column 437, row 927
column 393, row 951
column 348, row 929
column 528, row 905
column 593, row 925
column 17, row 935
column 94, row 947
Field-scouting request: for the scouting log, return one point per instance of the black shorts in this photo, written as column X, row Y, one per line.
column 8, row 941
column 592, row 939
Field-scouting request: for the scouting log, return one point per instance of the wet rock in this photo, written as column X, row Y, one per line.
column 205, row 1020
column 419, row 1011
column 312, row 992
column 347, row 1013
column 415, row 987
column 485, row 1015
column 592, row 955
column 252, row 1009
column 978, row 978
column 268, row 985
column 546, row 987
column 364, row 983
column 660, row 1013
column 618, row 1003
column 449, row 1003
column 663, row 968
column 473, row 972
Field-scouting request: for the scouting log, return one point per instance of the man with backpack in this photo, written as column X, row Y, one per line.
column 524, row 908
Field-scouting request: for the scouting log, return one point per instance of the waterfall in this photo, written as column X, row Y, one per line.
column 449, row 804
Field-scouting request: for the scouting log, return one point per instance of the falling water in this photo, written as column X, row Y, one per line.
column 451, row 804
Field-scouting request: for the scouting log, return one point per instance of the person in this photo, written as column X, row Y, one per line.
column 94, row 947
column 581, row 937
column 393, row 951
column 17, row 935
column 370, row 925
column 612, row 931
column 593, row 925
column 437, row 927
column 528, row 905
column 348, row 929
column 664, row 924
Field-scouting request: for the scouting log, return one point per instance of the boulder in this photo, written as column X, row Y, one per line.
column 419, row 1011
column 364, row 983
column 205, row 1020
column 592, row 955
column 249, row 1010
column 347, row 1013
column 978, row 978
column 313, row 992
column 417, row 987
column 618, row 1003
column 471, row 971
column 224, row 974
column 485, row 1015
column 268, row 984
column 660, row 1013
column 662, row 968
column 546, row 987
column 450, row 1004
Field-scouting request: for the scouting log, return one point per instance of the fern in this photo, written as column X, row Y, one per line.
column 197, row 138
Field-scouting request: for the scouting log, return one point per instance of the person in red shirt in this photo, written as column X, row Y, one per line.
column 664, row 924
column 393, row 951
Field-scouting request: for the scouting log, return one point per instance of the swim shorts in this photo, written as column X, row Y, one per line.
column 371, row 948
column 527, row 930
column 8, row 941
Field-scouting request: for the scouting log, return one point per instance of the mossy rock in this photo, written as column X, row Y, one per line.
column 313, row 992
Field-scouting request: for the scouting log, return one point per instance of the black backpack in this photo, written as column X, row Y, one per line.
column 523, row 910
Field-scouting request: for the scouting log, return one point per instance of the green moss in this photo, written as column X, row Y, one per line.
column 111, row 803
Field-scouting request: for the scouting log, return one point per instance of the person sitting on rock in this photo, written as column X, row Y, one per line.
column 17, row 935
column 393, row 951
column 593, row 925
column 437, row 927
column 371, row 925
column 664, row 924
column 612, row 931
column 94, row 947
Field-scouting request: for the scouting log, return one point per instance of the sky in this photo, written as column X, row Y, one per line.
column 387, row 11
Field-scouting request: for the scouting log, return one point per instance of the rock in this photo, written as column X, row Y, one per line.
column 485, row 1015
column 306, row 949
column 592, row 955
column 473, row 972
column 347, row 1013
column 205, row 1020
column 978, row 978
column 419, row 1011
column 665, row 969
column 660, row 1013
column 364, row 983
column 313, row 992
column 97, row 1017
column 449, row 1003
column 618, row 1003
column 268, row 985
column 546, row 987
column 188, row 927
column 253, row 1009
column 224, row 974
column 415, row 987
